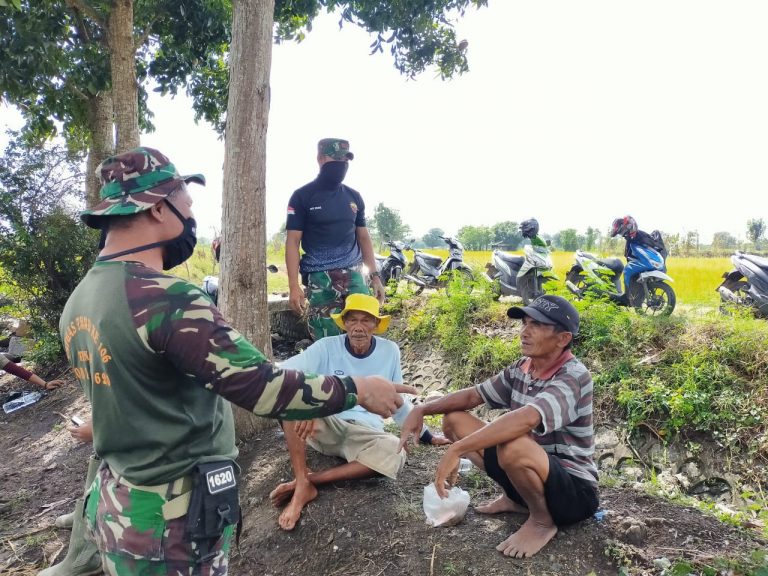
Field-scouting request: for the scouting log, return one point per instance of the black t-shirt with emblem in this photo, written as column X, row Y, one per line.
column 328, row 220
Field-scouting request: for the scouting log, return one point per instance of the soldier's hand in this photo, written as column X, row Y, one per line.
column 378, row 290
column 51, row 384
column 296, row 300
column 379, row 395
column 82, row 433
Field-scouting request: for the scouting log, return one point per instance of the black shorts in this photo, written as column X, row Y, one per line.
column 570, row 499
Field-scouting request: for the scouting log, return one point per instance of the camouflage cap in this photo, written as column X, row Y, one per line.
column 336, row 148
column 133, row 182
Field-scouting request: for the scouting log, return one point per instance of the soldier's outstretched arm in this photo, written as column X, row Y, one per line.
column 176, row 319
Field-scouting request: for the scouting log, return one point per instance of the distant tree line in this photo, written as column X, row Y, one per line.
column 386, row 222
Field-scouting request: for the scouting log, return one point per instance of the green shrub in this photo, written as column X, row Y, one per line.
column 41, row 265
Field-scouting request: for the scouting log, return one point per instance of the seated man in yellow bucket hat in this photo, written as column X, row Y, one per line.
column 355, row 435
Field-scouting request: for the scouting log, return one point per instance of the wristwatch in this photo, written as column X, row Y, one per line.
column 375, row 274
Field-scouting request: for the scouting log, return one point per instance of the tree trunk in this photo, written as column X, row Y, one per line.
column 102, row 141
column 125, row 94
column 243, row 289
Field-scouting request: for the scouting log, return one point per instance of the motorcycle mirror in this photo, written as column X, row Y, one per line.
column 272, row 268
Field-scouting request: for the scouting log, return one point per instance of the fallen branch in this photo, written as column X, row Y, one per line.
column 432, row 562
column 52, row 505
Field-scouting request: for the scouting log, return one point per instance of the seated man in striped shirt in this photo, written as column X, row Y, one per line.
column 540, row 452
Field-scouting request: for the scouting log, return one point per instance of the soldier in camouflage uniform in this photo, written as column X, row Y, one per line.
column 158, row 362
column 327, row 220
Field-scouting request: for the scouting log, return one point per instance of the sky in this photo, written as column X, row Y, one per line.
column 574, row 113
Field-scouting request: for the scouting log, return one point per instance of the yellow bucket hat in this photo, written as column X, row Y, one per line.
column 362, row 303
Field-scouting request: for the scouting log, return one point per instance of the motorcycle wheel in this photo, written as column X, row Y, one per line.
column 460, row 280
column 660, row 300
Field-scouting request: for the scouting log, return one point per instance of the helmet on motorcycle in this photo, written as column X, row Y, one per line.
column 529, row 228
column 626, row 226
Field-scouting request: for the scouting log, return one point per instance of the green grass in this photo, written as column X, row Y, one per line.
column 202, row 264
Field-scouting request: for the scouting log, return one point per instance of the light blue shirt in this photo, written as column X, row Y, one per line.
column 330, row 356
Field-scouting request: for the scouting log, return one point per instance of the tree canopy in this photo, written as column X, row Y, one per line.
column 387, row 223
column 432, row 237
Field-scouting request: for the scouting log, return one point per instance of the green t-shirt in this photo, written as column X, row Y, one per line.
column 158, row 363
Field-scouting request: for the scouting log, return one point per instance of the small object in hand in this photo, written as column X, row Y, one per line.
column 77, row 421
column 465, row 465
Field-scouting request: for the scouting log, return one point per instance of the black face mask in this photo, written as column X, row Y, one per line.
column 179, row 249
column 176, row 250
column 332, row 173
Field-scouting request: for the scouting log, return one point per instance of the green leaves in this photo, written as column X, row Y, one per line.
column 16, row 4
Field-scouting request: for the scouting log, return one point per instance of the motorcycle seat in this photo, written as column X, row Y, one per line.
column 612, row 263
column 758, row 260
column 511, row 258
column 430, row 259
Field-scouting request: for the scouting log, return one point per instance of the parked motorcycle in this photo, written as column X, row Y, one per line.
column 747, row 283
column 211, row 284
column 391, row 267
column 649, row 292
column 522, row 276
column 428, row 271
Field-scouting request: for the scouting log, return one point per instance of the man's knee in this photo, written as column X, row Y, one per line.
column 451, row 425
column 516, row 454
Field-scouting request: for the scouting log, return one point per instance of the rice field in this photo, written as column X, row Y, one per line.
column 695, row 279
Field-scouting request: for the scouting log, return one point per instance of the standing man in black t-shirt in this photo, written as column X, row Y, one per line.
column 327, row 219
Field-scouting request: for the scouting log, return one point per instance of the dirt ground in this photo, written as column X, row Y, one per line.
column 366, row 528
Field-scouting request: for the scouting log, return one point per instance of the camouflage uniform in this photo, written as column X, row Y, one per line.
column 326, row 293
column 158, row 362
column 127, row 523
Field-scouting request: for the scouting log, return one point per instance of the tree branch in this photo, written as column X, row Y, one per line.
column 145, row 35
column 88, row 10
column 76, row 91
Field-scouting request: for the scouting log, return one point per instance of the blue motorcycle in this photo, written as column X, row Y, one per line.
column 649, row 292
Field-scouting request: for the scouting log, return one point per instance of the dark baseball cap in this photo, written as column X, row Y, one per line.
column 548, row 309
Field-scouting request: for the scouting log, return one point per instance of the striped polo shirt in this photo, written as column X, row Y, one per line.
column 563, row 397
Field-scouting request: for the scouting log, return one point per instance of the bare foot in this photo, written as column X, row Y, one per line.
column 501, row 504
column 529, row 539
column 303, row 495
column 282, row 493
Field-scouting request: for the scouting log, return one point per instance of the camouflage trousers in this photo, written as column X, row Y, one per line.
column 134, row 539
column 326, row 292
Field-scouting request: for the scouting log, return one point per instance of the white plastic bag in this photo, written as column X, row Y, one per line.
column 445, row 511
